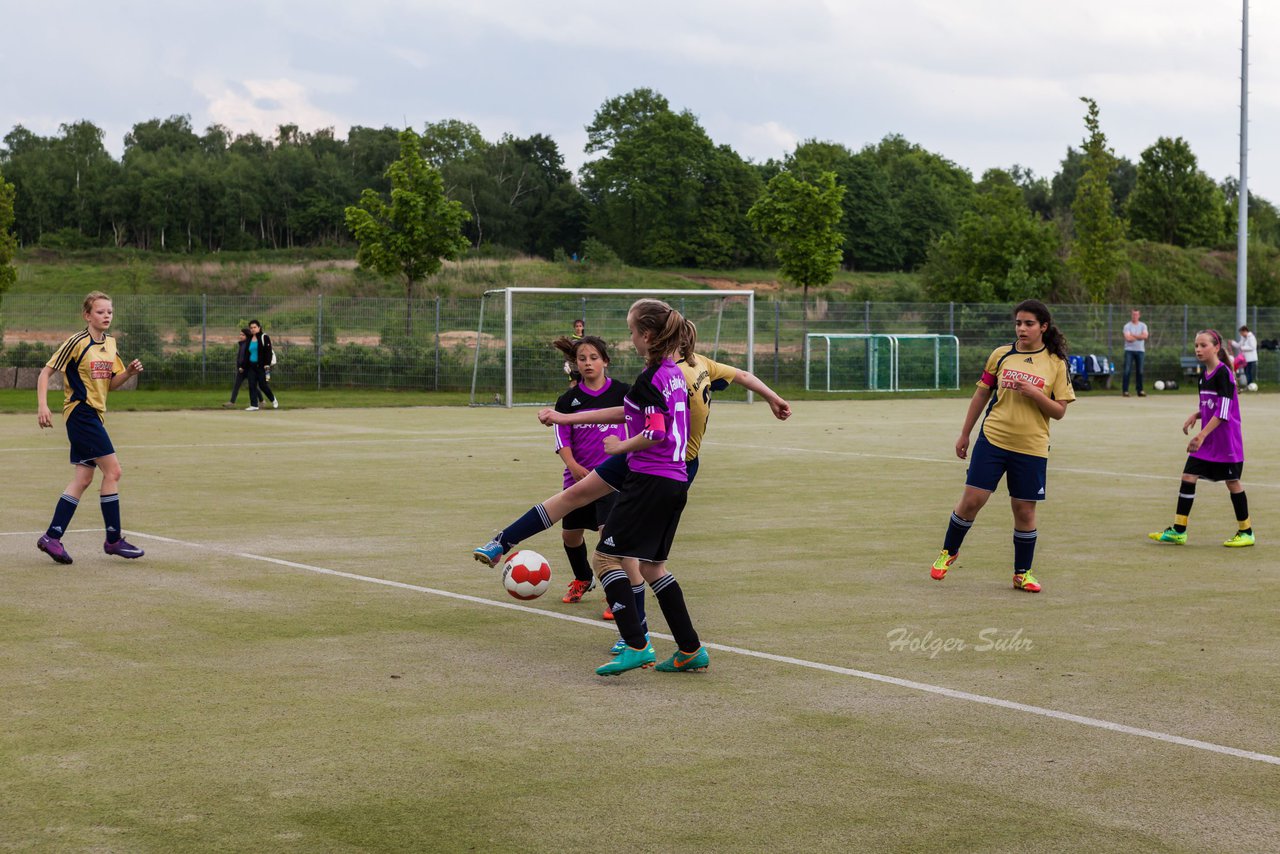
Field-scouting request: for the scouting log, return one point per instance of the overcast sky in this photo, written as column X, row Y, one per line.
column 982, row 82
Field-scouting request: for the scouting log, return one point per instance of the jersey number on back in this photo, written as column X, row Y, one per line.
column 681, row 440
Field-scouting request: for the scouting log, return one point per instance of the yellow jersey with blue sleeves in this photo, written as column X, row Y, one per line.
column 702, row 378
column 88, row 366
column 1013, row 421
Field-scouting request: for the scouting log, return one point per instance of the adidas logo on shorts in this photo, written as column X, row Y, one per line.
column 609, row 541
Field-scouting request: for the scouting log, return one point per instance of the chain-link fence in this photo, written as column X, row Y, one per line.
column 430, row 344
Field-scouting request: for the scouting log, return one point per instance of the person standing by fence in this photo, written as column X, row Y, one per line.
column 1247, row 347
column 1135, row 350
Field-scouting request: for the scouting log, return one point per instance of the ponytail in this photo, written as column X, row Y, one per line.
column 668, row 331
column 569, row 346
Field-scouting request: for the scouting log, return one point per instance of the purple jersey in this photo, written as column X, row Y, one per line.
column 658, row 407
column 1218, row 399
column 587, row 440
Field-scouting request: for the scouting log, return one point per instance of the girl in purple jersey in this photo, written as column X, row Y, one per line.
column 1217, row 451
column 638, row 535
column 581, row 446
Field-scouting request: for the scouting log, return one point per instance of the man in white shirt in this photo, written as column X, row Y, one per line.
column 1135, row 350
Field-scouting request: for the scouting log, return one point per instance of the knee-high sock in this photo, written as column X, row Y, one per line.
column 578, row 561
column 62, row 516
column 1241, row 505
column 111, row 516
column 1024, row 549
column 638, row 592
column 622, row 602
column 671, row 601
column 1186, row 495
column 534, row 521
column 956, row 529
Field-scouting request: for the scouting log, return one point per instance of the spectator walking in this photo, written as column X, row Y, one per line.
column 258, row 358
column 242, row 357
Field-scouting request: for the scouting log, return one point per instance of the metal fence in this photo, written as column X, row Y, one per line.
column 430, row 344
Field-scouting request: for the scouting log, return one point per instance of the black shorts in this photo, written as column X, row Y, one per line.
column 1213, row 471
column 88, row 435
column 643, row 522
column 591, row 517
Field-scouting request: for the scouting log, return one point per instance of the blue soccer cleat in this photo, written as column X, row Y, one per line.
column 489, row 554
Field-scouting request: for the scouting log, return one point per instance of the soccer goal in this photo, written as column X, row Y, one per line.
column 851, row 362
column 515, row 364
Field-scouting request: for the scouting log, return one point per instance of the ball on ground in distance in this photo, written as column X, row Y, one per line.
column 1253, row 386
column 526, row 575
column 1159, row 385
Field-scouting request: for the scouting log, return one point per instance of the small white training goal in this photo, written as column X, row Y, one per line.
column 859, row 361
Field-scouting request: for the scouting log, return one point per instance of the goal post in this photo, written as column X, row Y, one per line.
column 862, row 361
column 514, row 363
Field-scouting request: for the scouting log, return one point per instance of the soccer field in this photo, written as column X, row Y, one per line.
column 308, row 659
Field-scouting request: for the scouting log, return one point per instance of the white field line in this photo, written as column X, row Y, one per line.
column 750, row 653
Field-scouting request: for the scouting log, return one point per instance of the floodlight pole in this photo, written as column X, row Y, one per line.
column 1242, row 225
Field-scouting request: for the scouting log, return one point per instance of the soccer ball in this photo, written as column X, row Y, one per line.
column 526, row 575
column 1253, row 386
column 1159, row 385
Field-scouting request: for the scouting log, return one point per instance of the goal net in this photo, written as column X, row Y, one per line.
column 515, row 365
column 848, row 362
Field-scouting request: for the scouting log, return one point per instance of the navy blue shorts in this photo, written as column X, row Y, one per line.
column 614, row 471
column 88, row 435
column 1027, row 473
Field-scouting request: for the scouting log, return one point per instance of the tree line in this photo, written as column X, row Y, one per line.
column 658, row 192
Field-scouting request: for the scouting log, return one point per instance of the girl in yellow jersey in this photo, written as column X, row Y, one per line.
column 92, row 367
column 1022, row 387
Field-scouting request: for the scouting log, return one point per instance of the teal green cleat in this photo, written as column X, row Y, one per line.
column 1168, row 535
column 629, row 659
column 619, row 645
column 683, row 662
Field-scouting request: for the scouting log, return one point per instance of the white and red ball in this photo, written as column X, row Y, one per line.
column 526, row 575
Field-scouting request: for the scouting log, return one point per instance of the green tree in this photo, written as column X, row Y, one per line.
column 871, row 226
column 1000, row 252
column 1097, row 252
column 802, row 221
column 410, row 236
column 1173, row 201
column 929, row 194
column 662, row 193
column 1063, row 187
column 8, row 243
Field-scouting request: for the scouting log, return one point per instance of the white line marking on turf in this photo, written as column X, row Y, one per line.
column 767, row 656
